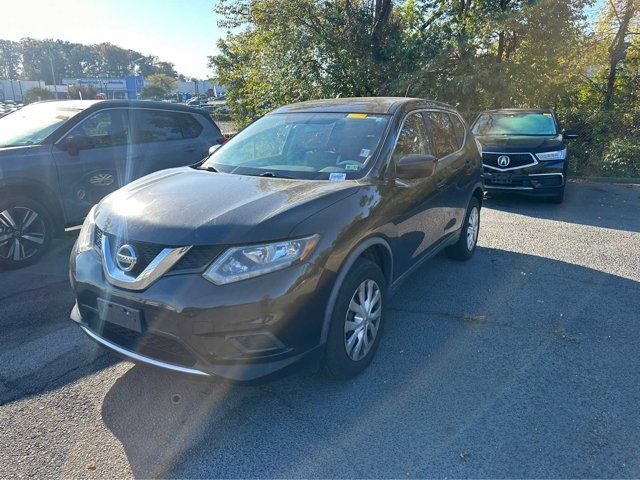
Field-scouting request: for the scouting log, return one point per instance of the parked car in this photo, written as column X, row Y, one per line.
column 523, row 150
column 59, row 158
column 284, row 244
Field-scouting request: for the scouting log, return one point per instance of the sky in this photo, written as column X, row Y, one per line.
column 183, row 32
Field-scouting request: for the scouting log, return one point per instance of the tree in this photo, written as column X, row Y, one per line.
column 159, row 86
column 618, row 48
column 37, row 94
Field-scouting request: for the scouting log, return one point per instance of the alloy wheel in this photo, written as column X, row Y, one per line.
column 362, row 320
column 22, row 233
column 473, row 227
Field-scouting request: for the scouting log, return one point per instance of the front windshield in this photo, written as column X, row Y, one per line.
column 515, row 123
column 32, row 124
column 303, row 145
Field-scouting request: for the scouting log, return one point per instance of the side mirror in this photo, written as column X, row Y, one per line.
column 74, row 143
column 416, row 166
column 570, row 134
column 213, row 148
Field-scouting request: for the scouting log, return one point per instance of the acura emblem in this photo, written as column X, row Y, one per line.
column 504, row 160
column 126, row 258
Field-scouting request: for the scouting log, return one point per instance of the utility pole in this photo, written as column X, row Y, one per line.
column 53, row 75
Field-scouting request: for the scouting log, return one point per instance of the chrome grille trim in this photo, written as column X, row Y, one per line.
column 533, row 157
column 160, row 265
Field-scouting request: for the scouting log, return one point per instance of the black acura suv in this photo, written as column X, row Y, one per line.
column 284, row 244
column 524, row 151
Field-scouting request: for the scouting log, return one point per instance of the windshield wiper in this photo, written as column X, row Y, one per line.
column 274, row 175
column 209, row 169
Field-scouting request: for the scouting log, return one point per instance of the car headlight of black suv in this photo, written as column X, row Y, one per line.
column 241, row 263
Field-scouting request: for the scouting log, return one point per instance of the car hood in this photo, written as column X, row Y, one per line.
column 186, row 206
column 519, row 143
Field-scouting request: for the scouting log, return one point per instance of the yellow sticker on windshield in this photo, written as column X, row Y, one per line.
column 547, row 115
column 357, row 115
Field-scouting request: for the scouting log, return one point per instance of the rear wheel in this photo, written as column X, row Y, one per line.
column 25, row 232
column 464, row 248
column 357, row 321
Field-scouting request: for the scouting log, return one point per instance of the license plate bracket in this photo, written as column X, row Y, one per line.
column 501, row 178
column 121, row 315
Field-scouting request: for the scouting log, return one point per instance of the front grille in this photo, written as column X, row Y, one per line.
column 148, row 344
column 196, row 259
column 516, row 160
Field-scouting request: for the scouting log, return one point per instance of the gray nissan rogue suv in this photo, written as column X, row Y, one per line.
column 284, row 244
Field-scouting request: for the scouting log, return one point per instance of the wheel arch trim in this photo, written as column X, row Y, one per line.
column 344, row 270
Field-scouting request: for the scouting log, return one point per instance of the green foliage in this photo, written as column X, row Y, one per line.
column 32, row 59
column 82, row 92
column 159, row 86
column 622, row 158
column 472, row 54
column 37, row 94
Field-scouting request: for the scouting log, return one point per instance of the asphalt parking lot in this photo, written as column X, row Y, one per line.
column 523, row 362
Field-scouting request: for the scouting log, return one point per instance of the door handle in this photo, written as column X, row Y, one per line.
column 442, row 184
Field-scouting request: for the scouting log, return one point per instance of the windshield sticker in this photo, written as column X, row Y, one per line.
column 352, row 166
column 547, row 115
column 365, row 152
column 337, row 177
column 357, row 115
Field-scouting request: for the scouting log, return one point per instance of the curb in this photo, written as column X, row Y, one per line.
column 606, row 179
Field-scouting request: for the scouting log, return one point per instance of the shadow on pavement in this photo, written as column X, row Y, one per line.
column 596, row 204
column 485, row 369
column 40, row 348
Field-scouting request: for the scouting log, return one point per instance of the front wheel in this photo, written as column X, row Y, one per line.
column 25, row 232
column 464, row 248
column 558, row 197
column 357, row 320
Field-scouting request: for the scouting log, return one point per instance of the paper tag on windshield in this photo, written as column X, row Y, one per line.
column 337, row 177
column 365, row 152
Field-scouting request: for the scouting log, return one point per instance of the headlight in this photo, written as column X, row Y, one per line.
column 557, row 155
column 85, row 238
column 239, row 263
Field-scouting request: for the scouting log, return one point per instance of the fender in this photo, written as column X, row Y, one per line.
column 344, row 269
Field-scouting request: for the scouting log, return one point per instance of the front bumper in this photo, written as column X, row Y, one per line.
column 242, row 331
column 539, row 180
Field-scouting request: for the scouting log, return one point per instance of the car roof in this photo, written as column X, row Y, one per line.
column 369, row 105
column 96, row 104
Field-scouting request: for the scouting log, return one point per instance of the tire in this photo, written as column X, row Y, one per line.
column 344, row 359
column 558, row 198
column 20, row 246
column 465, row 247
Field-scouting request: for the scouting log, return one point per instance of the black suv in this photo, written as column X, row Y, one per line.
column 284, row 244
column 523, row 150
column 59, row 158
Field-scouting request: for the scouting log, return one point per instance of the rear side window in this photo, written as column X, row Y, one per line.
column 458, row 126
column 444, row 135
column 191, row 128
column 156, row 126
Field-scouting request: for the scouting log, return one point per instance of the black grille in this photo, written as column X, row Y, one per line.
column 198, row 258
column 516, row 160
column 148, row 344
column 97, row 238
